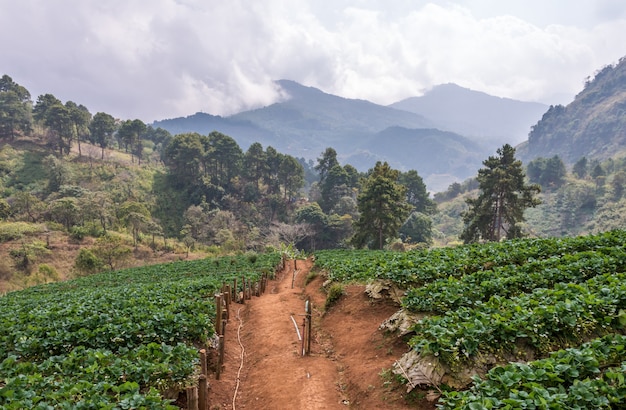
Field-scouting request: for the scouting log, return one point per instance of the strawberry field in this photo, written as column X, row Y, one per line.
column 114, row 340
column 545, row 315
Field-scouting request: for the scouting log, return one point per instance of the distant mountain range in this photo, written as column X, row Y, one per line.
column 444, row 135
column 482, row 117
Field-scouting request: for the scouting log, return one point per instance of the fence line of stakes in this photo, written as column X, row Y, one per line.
column 198, row 396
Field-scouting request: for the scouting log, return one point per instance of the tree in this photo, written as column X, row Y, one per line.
column 65, row 211
column 26, row 206
column 333, row 187
column 580, row 168
column 291, row 234
column 15, row 108
column 58, row 119
column 43, row 105
column 184, row 157
column 111, row 250
column 101, row 129
column 255, row 166
column 382, row 206
column 418, row 228
column 136, row 216
column 504, row 197
column 313, row 216
column 58, row 171
column 87, row 263
column 549, row 173
column 80, row 117
column 618, row 183
column 223, row 158
column 290, row 176
column 416, row 193
column 326, row 162
column 131, row 133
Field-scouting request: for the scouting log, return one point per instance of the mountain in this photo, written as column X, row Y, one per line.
column 445, row 155
column 487, row 119
column 308, row 120
column 244, row 132
column 593, row 125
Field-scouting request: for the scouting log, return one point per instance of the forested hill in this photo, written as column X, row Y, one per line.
column 591, row 126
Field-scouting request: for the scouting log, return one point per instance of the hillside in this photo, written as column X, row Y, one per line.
column 593, row 125
column 483, row 117
column 35, row 248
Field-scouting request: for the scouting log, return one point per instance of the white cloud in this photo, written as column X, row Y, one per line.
column 165, row 58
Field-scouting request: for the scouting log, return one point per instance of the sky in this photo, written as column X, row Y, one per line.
column 158, row 59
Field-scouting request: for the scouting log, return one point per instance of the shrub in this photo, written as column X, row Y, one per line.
column 87, row 263
column 78, row 233
column 10, row 231
column 334, row 293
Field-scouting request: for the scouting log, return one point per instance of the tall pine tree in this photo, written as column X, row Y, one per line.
column 382, row 206
column 499, row 209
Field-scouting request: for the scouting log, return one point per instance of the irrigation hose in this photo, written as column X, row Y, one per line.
column 243, row 350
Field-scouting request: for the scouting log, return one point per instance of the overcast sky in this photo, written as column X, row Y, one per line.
column 157, row 59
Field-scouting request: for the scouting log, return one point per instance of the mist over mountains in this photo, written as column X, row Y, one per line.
column 444, row 134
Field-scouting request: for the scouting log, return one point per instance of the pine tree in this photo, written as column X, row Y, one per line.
column 499, row 209
column 382, row 206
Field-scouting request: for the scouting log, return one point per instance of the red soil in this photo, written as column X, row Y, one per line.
column 348, row 352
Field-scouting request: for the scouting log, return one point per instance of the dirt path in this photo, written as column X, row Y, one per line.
column 348, row 353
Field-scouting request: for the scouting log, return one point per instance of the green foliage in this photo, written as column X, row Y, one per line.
column 509, row 301
column 586, row 126
column 591, row 376
column 111, row 250
column 382, row 206
column 10, row 231
column 545, row 319
column 87, row 263
column 15, row 109
column 417, row 228
column 112, row 340
column 499, row 209
column 333, row 294
column 549, row 173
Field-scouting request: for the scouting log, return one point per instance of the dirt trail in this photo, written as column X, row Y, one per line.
column 348, row 353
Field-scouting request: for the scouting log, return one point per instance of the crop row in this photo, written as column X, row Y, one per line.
column 97, row 378
column 589, row 377
column 511, row 280
column 416, row 268
column 545, row 320
column 121, row 325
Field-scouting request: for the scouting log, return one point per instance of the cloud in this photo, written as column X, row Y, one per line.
column 165, row 58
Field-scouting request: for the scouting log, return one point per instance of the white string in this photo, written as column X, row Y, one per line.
column 243, row 350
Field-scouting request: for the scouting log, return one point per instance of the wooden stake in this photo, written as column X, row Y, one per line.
column 220, row 358
column 222, row 346
column 203, row 362
column 203, row 389
column 218, row 314
column 192, row 398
